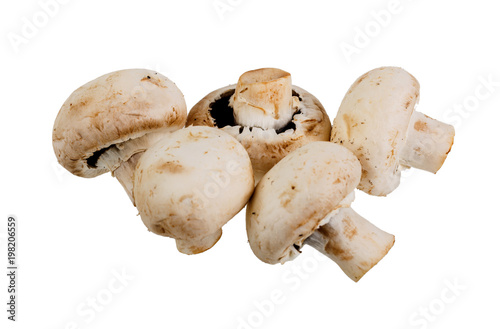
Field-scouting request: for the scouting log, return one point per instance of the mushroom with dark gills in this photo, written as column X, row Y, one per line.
column 305, row 199
column 377, row 122
column 106, row 124
column 267, row 114
column 191, row 183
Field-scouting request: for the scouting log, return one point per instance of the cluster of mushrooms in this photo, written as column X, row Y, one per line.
column 264, row 143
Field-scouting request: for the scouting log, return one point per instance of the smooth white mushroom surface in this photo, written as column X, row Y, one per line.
column 268, row 115
column 305, row 199
column 377, row 122
column 106, row 122
column 191, row 183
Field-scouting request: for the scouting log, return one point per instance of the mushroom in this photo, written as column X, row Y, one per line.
column 377, row 122
column 265, row 113
column 106, row 124
column 190, row 183
column 305, row 199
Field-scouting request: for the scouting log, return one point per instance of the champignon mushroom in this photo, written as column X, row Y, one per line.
column 305, row 199
column 377, row 122
column 106, row 124
column 191, row 183
column 266, row 114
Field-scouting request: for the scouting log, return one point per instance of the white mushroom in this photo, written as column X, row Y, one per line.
column 191, row 183
column 267, row 114
column 377, row 122
column 106, row 124
column 305, row 199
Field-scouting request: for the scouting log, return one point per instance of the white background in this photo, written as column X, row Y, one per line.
column 75, row 234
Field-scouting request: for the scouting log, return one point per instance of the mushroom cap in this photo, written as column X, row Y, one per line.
column 295, row 196
column 110, row 110
column 265, row 146
column 373, row 122
column 192, row 182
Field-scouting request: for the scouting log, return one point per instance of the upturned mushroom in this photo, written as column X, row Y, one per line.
column 377, row 122
column 191, row 183
column 106, row 124
column 267, row 114
column 305, row 199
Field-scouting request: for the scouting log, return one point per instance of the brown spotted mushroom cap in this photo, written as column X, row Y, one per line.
column 266, row 146
column 106, row 121
column 373, row 122
column 293, row 198
column 191, row 183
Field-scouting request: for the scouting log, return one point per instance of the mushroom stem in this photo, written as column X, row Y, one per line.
column 125, row 174
column 193, row 247
column 122, row 158
column 263, row 98
column 352, row 242
column 427, row 144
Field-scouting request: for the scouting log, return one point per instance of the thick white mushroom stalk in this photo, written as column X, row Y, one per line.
column 428, row 143
column 263, row 98
column 125, row 174
column 351, row 241
column 122, row 158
